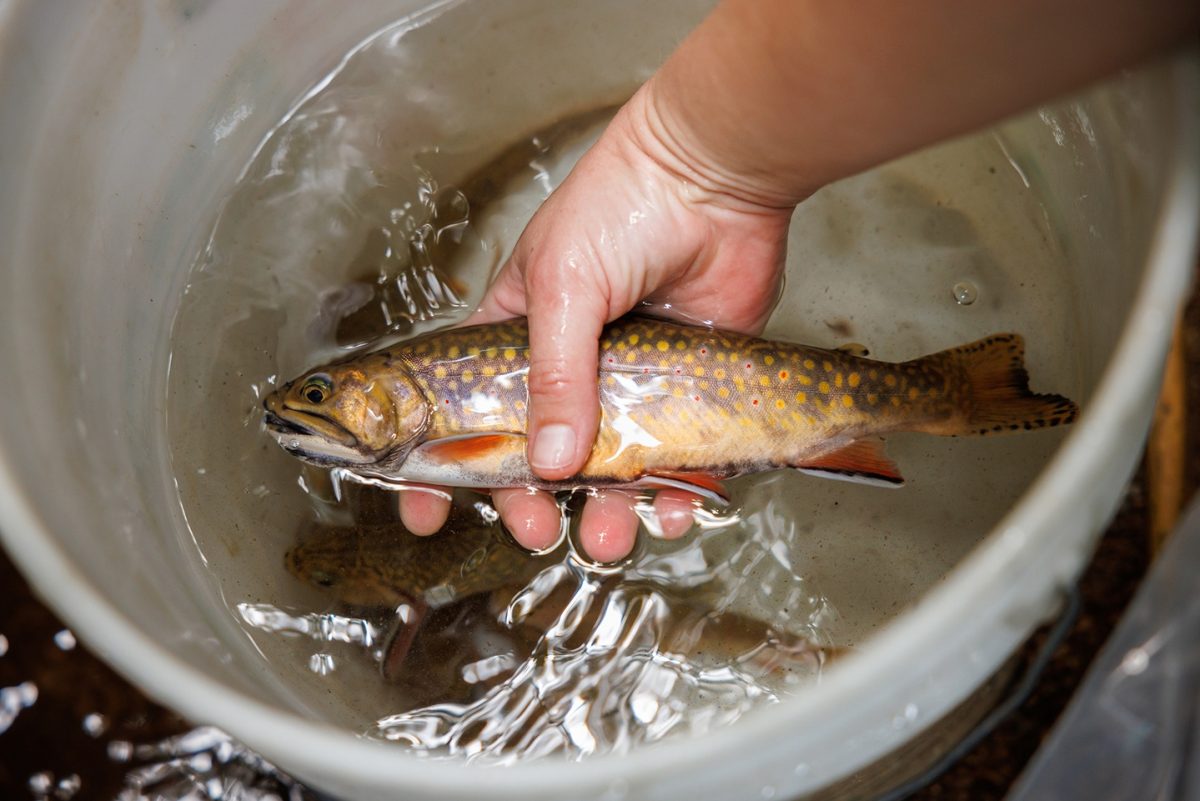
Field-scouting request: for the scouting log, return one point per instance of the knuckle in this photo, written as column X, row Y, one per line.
column 552, row 378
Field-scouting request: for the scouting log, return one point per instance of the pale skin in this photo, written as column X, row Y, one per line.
column 690, row 190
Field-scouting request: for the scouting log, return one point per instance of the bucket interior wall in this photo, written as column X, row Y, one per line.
column 123, row 145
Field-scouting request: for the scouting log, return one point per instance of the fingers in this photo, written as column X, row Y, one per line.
column 424, row 509
column 608, row 526
column 675, row 510
column 564, row 335
column 531, row 516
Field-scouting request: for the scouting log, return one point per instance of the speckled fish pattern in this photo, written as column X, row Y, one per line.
column 683, row 399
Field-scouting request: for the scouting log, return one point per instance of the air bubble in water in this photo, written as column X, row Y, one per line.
column 965, row 293
column 95, row 724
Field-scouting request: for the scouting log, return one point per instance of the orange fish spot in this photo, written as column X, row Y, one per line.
column 783, row 375
column 854, row 380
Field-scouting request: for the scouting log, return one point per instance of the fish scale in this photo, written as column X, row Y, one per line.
column 679, row 404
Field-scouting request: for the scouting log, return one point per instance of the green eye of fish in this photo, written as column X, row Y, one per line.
column 316, row 389
column 323, row 578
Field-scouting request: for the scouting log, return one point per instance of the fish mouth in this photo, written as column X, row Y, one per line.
column 296, row 422
column 313, row 438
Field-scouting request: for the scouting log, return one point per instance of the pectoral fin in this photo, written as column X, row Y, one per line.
column 862, row 461
column 705, row 485
column 472, row 447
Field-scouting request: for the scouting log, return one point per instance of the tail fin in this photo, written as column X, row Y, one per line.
column 997, row 397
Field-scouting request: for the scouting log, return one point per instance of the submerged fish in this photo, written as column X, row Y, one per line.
column 384, row 566
column 681, row 406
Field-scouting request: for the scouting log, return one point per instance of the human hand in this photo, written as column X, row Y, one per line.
column 638, row 218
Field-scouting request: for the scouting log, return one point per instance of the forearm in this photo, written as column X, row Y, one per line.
column 771, row 99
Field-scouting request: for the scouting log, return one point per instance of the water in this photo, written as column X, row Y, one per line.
column 381, row 207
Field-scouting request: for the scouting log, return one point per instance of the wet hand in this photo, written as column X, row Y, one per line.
column 637, row 219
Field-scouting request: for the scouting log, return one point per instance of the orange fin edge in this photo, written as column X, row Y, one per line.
column 863, row 461
column 459, row 449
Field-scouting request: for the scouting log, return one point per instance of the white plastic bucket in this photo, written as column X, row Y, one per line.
column 124, row 124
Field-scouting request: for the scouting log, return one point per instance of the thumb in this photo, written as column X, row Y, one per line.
column 566, row 311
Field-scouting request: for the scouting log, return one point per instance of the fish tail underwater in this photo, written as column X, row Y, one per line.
column 996, row 397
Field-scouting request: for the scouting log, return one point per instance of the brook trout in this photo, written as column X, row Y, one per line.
column 383, row 566
column 681, row 407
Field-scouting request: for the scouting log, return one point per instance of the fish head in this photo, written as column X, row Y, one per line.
column 351, row 566
column 368, row 412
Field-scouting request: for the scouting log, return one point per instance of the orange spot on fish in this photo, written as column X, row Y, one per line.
column 755, row 401
column 780, row 404
column 847, row 401
column 854, row 380
column 783, row 375
column 664, row 345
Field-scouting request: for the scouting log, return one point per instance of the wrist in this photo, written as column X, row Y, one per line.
column 657, row 128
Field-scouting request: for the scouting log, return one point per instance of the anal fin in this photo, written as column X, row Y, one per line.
column 862, row 461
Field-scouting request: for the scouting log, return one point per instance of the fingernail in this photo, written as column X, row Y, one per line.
column 553, row 448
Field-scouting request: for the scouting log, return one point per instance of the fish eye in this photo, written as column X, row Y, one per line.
column 317, row 389
column 322, row 578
